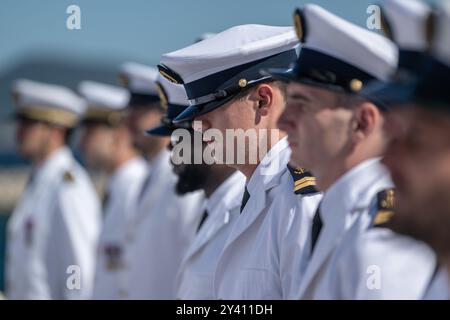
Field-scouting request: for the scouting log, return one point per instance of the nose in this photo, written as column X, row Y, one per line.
column 131, row 121
column 20, row 130
column 83, row 140
column 200, row 125
column 285, row 122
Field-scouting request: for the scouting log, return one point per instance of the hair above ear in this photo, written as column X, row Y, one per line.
column 368, row 117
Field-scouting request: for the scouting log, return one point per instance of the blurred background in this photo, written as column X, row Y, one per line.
column 35, row 43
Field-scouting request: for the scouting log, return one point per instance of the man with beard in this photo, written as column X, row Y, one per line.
column 107, row 146
column 223, row 188
column 338, row 133
column 236, row 108
column 161, row 224
column 418, row 154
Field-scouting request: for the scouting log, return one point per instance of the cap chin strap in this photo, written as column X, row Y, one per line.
column 223, row 93
column 168, row 122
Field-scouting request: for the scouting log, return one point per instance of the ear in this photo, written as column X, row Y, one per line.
column 56, row 132
column 264, row 96
column 121, row 133
column 367, row 119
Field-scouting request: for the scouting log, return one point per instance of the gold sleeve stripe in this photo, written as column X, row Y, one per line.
column 304, row 185
column 383, row 217
column 305, row 179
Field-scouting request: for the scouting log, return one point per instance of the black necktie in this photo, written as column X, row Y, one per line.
column 316, row 227
column 30, row 179
column 245, row 199
column 205, row 215
column 105, row 200
column 144, row 186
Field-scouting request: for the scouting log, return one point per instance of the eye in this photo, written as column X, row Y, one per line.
column 301, row 106
column 293, row 104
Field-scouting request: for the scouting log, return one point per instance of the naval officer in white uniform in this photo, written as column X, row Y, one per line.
column 350, row 254
column 107, row 146
column 418, row 93
column 53, row 232
column 222, row 79
column 162, row 224
column 223, row 187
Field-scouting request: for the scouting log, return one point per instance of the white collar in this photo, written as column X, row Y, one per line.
column 274, row 162
column 55, row 162
column 350, row 191
column 123, row 172
column 228, row 194
column 161, row 159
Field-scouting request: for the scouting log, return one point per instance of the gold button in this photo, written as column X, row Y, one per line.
column 242, row 83
column 356, row 85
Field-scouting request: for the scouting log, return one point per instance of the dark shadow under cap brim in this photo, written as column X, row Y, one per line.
column 195, row 111
column 285, row 75
column 291, row 76
column 161, row 130
column 164, row 130
column 324, row 71
column 387, row 95
column 230, row 83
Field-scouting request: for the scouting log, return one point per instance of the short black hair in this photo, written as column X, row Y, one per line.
column 68, row 134
column 280, row 84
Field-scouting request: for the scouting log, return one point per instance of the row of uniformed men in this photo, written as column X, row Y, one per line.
column 347, row 99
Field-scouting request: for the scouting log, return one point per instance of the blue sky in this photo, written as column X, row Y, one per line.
column 35, row 42
column 117, row 30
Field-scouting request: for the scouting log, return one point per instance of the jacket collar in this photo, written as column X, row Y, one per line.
column 266, row 176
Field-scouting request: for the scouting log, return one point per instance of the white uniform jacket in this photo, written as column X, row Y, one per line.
column 122, row 191
column 158, row 235
column 439, row 288
column 196, row 275
column 353, row 259
column 53, row 233
column 259, row 256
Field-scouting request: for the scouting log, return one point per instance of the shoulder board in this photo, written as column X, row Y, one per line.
column 384, row 208
column 68, row 177
column 304, row 181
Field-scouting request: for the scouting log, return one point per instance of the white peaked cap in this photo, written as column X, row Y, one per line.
column 139, row 78
column 173, row 93
column 47, row 102
column 406, row 21
column 35, row 94
column 336, row 37
column 233, row 47
column 441, row 40
column 103, row 96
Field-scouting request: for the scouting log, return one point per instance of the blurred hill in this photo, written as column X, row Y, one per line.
column 61, row 68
